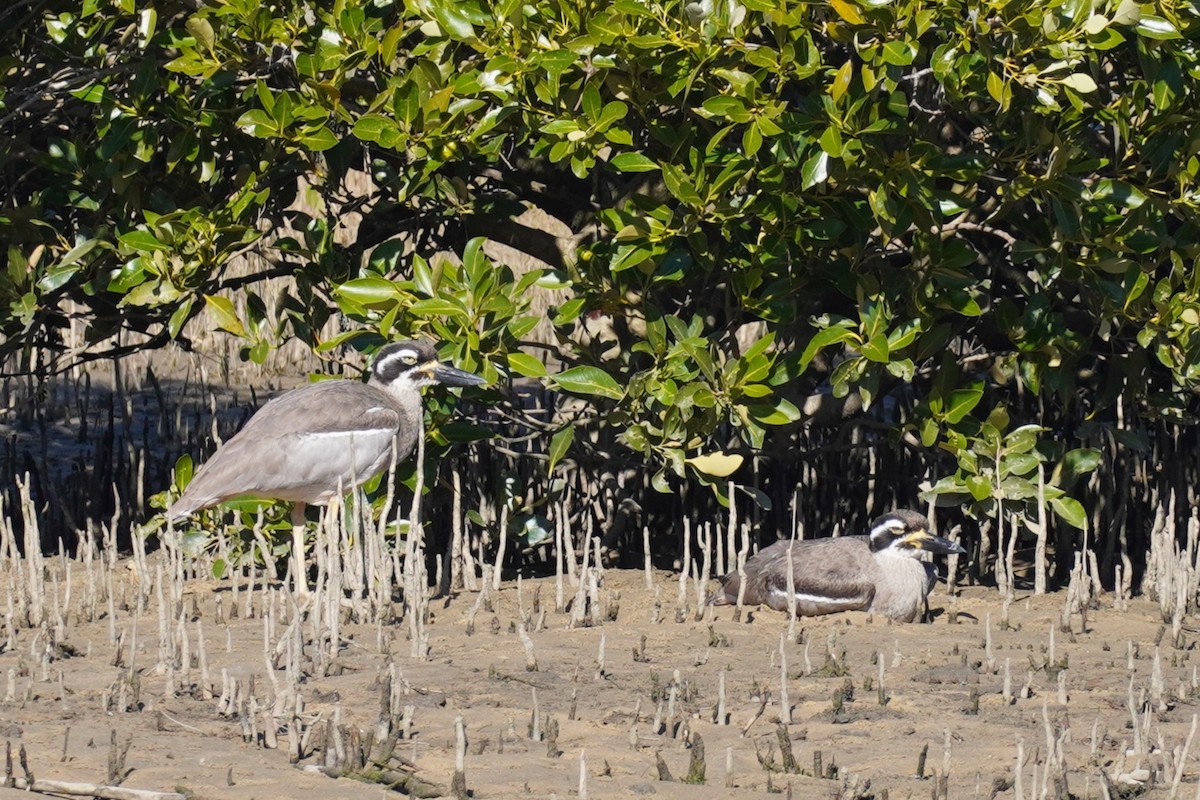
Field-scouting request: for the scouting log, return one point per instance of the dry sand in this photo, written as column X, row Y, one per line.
column 930, row 671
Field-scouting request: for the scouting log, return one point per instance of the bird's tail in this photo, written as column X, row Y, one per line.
column 185, row 505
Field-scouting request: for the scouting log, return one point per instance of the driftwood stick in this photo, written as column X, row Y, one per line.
column 764, row 697
column 76, row 789
column 458, row 783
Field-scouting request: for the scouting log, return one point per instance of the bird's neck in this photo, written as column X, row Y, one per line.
column 890, row 556
column 407, row 398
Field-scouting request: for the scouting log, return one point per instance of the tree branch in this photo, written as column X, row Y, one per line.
column 557, row 251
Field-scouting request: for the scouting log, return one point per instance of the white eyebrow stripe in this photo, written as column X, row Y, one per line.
column 405, row 355
column 889, row 525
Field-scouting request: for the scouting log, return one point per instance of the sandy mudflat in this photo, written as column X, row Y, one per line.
column 930, row 671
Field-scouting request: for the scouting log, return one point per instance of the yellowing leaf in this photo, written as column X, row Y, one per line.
column 998, row 88
column 224, row 314
column 718, row 465
column 1095, row 24
column 202, row 31
column 1080, row 82
column 847, row 12
column 841, row 81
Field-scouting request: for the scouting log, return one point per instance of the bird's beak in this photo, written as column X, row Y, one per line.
column 452, row 376
column 931, row 543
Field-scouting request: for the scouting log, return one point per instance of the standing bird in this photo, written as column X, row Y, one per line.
column 880, row 572
column 318, row 442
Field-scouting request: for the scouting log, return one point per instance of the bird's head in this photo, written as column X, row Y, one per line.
column 906, row 533
column 416, row 363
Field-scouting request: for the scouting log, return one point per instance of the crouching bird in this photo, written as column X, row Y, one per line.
column 880, row 572
column 316, row 443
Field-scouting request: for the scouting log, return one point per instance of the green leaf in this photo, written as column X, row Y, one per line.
column 462, row 432
column 58, row 276
column 1023, row 439
column 1081, row 461
column 1154, row 27
column 558, row 127
column 437, row 307
column 258, row 123
column 588, row 380
column 1118, row 192
column 560, row 443
column 319, row 140
column 815, row 170
column 452, row 21
column 570, row 310
column 781, row 412
column 980, row 487
column 1015, row 488
column 929, row 432
column 76, row 253
column 751, row 140
column 962, row 402
column 184, row 468
column 1021, row 463
column 142, row 240
column 1070, row 511
column 368, row 291
column 876, row 349
column 373, row 127
column 526, row 365
column 679, row 185
column 820, row 341
column 948, row 491
column 899, row 52
column 613, row 111
column 633, row 162
column 179, row 318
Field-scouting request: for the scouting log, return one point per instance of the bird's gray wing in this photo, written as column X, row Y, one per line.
column 827, row 577
column 299, row 446
column 757, row 567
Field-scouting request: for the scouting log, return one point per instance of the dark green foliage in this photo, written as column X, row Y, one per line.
column 978, row 220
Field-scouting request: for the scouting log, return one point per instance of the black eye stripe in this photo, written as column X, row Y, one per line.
column 400, row 358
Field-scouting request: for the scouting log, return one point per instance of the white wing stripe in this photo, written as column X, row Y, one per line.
column 347, row 432
column 802, row 597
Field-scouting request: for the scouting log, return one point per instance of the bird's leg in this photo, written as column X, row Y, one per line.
column 299, row 572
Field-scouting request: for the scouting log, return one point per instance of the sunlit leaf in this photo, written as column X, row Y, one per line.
column 224, row 314
column 633, row 162
column 718, row 465
column 526, row 365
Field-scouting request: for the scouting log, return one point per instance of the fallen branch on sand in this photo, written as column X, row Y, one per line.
column 92, row 790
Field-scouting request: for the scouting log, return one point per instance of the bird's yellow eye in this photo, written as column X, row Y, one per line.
column 408, row 358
